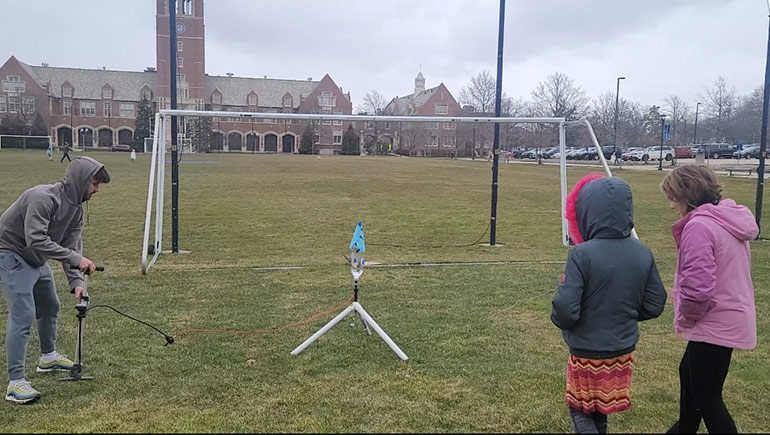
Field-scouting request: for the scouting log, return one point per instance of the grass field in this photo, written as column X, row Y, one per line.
column 484, row 356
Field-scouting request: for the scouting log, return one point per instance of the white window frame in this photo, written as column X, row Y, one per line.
column 442, row 109
column 14, row 104
column 327, row 99
column 127, row 110
column 179, row 62
column 3, row 104
column 28, row 104
column 449, row 126
column 179, row 45
column 448, row 141
column 252, row 99
column 147, row 94
column 66, row 108
column 107, row 109
column 187, row 7
column 106, row 93
column 67, row 91
column 431, row 125
column 337, row 134
column 433, row 141
column 216, row 98
column 287, row 101
column 87, row 108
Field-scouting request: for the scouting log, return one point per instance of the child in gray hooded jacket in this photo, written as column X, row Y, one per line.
column 609, row 284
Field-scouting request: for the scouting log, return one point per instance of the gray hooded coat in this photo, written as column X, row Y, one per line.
column 610, row 281
column 45, row 222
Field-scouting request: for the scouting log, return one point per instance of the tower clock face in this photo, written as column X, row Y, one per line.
column 180, row 28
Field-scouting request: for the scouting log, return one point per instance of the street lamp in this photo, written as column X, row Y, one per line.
column 660, row 159
column 617, row 98
column 473, row 144
column 695, row 133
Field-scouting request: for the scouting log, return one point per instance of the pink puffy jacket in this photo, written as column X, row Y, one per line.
column 713, row 293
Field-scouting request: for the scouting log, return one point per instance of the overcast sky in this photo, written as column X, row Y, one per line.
column 662, row 47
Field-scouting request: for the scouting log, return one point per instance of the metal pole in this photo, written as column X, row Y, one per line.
column 496, row 143
column 617, row 98
column 763, row 142
column 174, row 127
column 660, row 158
column 695, row 132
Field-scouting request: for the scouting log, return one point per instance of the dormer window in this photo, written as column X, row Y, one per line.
column 106, row 93
column 287, row 101
column 216, row 98
column 66, row 92
column 252, row 99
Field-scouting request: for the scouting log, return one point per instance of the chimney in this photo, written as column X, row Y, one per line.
column 310, row 79
column 149, row 69
column 229, row 74
column 265, row 76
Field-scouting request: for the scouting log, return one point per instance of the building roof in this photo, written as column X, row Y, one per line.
column 269, row 92
column 88, row 83
column 401, row 105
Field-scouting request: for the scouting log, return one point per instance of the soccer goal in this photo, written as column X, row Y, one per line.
column 155, row 192
column 21, row 141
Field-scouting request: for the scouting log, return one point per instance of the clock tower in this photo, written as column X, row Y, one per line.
column 190, row 53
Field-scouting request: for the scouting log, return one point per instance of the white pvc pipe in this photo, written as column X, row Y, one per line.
column 368, row 319
column 563, row 183
column 381, row 118
column 323, row 330
column 148, row 214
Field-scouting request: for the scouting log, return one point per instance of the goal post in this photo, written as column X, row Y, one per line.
column 23, row 141
column 151, row 251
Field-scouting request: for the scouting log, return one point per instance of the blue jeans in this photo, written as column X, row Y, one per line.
column 30, row 293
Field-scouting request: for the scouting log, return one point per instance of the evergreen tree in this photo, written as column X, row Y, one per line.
column 307, row 140
column 199, row 129
column 350, row 143
column 143, row 118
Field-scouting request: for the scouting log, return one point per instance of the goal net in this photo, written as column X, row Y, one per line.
column 205, row 133
column 21, row 141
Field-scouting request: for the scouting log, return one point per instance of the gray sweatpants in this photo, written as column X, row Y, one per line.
column 31, row 295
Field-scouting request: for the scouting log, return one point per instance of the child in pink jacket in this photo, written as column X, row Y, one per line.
column 713, row 294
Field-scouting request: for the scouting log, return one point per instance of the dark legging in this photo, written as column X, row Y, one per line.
column 65, row 156
column 702, row 374
column 595, row 422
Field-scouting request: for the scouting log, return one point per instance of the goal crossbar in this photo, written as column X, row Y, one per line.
column 156, row 187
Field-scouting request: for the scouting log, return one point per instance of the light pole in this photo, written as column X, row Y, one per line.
column 695, row 132
column 473, row 144
column 660, row 158
column 617, row 99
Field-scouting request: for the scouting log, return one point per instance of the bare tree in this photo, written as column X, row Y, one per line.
column 558, row 96
column 480, row 93
column 719, row 101
column 601, row 114
column 678, row 114
column 373, row 103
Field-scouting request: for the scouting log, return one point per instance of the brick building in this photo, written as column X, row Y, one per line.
column 97, row 108
column 420, row 138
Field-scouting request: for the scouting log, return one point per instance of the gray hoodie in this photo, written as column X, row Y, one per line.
column 610, row 282
column 45, row 222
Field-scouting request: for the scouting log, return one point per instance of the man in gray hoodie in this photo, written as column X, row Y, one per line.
column 44, row 223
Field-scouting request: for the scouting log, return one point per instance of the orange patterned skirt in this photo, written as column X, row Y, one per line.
column 601, row 385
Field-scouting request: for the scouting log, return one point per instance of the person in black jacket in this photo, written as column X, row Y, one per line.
column 609, row 284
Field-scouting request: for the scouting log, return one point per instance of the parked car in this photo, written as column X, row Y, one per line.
column 653, row 153
column 121, row 148
column 628, row 154
column 746, row 152
column 721, row 152
column 683, row 152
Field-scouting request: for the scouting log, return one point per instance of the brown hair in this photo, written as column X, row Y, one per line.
column 102, row 176
column 692, row 185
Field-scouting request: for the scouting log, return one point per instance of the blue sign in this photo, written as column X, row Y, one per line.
column 667, row 132
column 740, row 147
